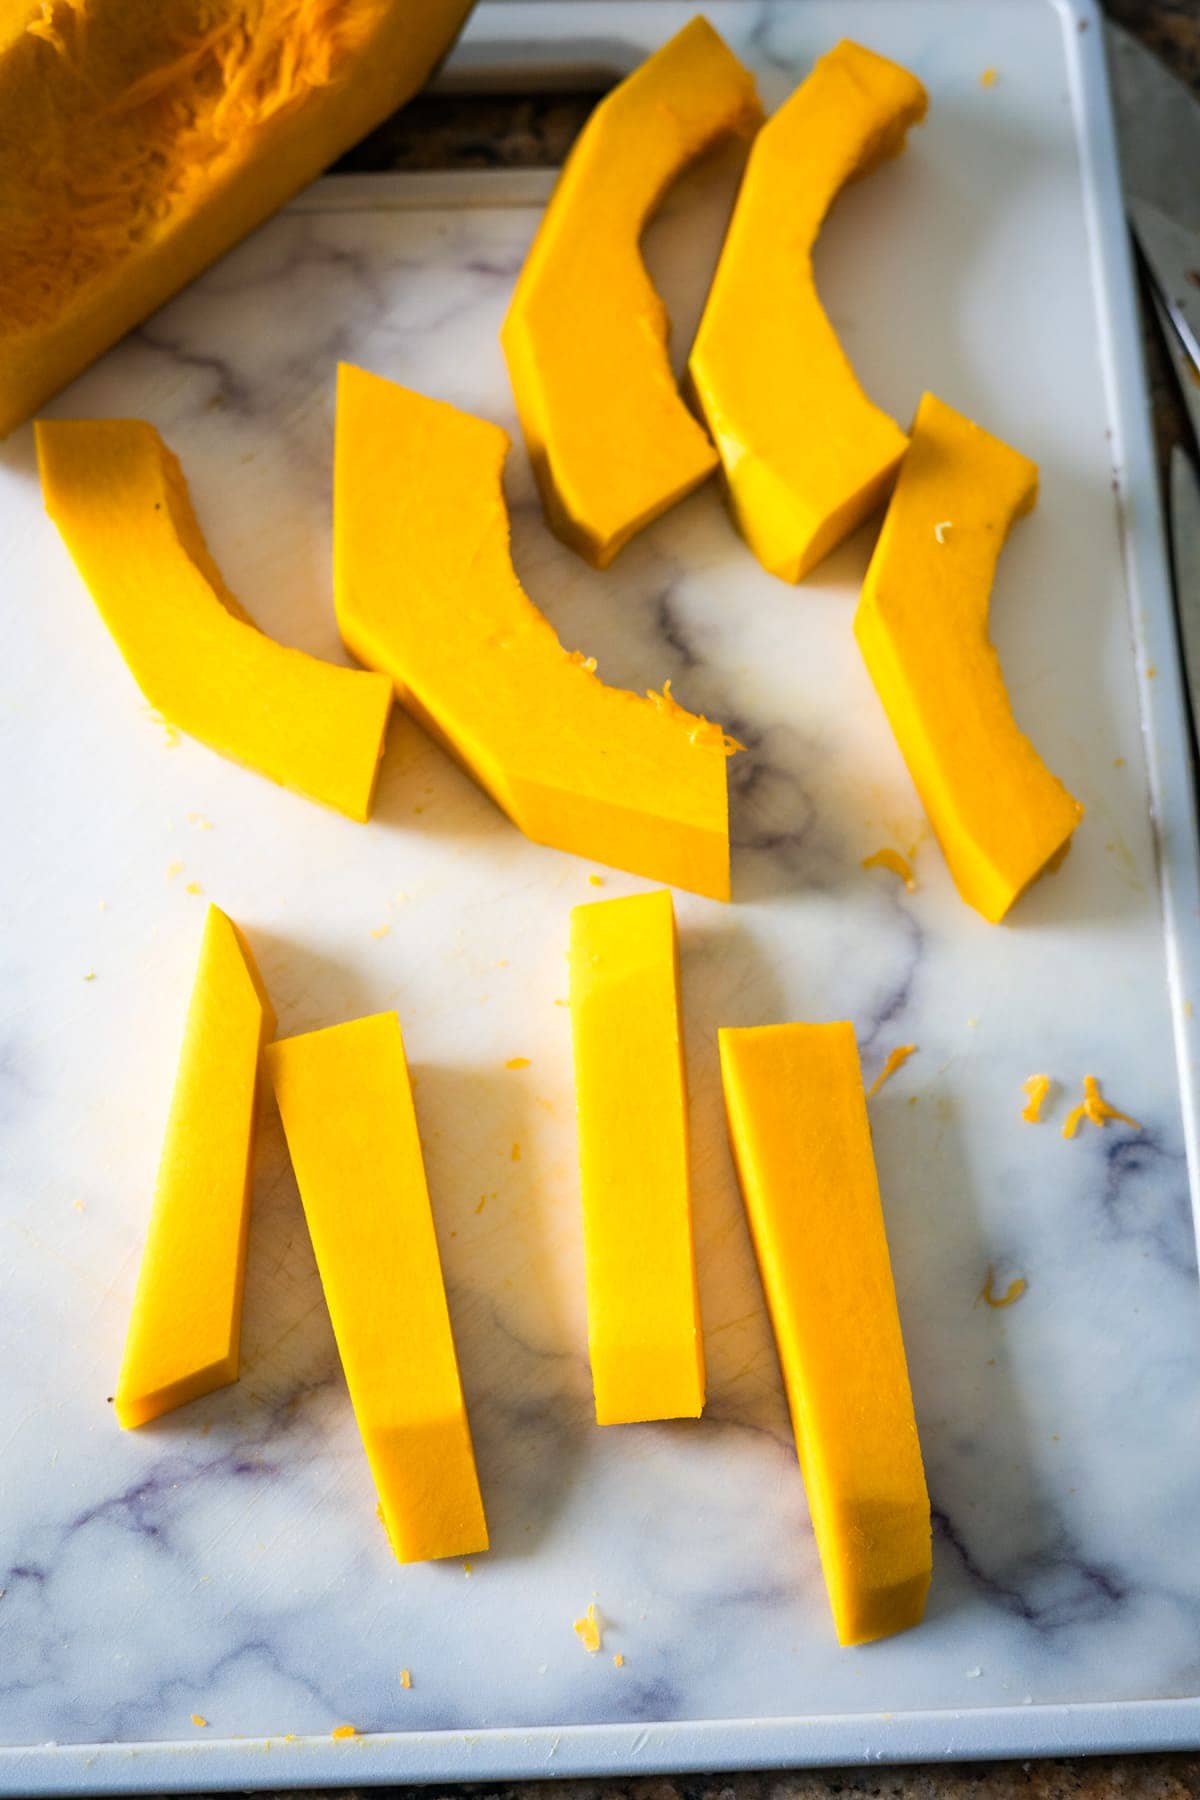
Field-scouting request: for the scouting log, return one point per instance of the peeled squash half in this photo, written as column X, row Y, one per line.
column 141, row 138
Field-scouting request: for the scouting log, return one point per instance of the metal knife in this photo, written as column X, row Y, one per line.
column 1158, row 128
column 1185, row 562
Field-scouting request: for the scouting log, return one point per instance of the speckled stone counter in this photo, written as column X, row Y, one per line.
column 441, row 131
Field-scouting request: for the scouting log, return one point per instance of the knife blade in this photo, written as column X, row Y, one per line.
column 1158, row 129
column 1185, row 558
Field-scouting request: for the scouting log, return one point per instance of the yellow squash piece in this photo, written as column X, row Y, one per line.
column 999, row 814
column 802, row 1144
column 119, row 499
column 185, row 1328
column 612, row 443
column 347, row 1110
column 141, row 138
column 425, row 590
column 644, row 1337
column 805, row 454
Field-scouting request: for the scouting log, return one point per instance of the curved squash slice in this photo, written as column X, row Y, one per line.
column 119, row 499
column 805, row 454
column 185, row 1328
column 425, row 590
column 612, row 443
column 1000, row 816
column 141, row 138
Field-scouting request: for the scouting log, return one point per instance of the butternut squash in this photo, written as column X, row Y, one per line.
column 999, row 814
column 644, row 1337
column 802, row 1145
column 805, row 455
column 141, row 138
column 425, row 590
column 612, row 443
column 185, row 1328
column 119, row 499
column 347, row 1110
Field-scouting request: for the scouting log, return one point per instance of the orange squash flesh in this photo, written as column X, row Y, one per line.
column 805, row 455
column 999, row 814
column 644, row 1338
column 802, row 1144
column 425, row 590
column 141, row 138
column 612, row 443
column 185, row 1327
column 119, row 499
column 346, row 1104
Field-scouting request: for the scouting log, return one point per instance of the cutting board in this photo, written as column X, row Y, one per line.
column 226, row 1562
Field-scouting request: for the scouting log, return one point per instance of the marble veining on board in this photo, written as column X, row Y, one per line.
column 226, row 1562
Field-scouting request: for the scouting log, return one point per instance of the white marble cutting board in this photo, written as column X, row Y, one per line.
column 226, row 1562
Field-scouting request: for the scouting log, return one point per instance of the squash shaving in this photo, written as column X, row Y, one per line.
column 1009, row 1297
column 892, row 859
column 1036, row 1087
column 1095, row 1107
column 587, row 1630
column 896, row 1060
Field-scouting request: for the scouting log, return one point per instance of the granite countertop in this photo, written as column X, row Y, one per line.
column 439, row 131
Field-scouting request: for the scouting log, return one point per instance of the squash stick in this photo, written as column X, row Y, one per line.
column 802, row 1145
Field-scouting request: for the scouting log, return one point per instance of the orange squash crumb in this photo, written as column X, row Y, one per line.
column 380, row 931
column 596, row 880
column 618, row 1661
column 587, row 1629
column 199, row 1719
column 1035, row 1087
column 405, row 1678
column 1009, row 1297
column 892, row 859
column 517, row 1062
column 516, row 1153
column 1095, row 1107
column 193, row 887
column 896, row 1060
column 988, row 78
column 174, row 868
column 343, row 1731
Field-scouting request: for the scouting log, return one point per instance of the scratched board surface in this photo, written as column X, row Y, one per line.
column 226, row 1562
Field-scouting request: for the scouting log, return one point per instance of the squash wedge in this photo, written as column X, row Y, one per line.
column 611, row 442
column 346, row 1103
column 425, row 590
column 185, row 1328
column 802, row 1144
column 805, row 455
column 644, row 1338
column 1001, row 817
column 119, row 499
column 141, row 138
